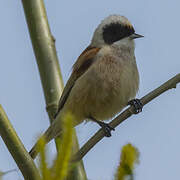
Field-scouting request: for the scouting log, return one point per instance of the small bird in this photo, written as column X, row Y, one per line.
column 103, row 80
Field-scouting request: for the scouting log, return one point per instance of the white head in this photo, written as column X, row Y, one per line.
column 114, row 29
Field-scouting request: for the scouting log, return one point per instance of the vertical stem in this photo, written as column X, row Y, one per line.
column 46, row 57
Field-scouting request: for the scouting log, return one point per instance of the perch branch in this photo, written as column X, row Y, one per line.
column 124, row 115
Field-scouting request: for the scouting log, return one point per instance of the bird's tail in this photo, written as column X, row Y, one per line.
column 33, row 152
column 53, row 131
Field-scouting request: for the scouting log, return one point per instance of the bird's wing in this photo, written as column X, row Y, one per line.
column 82, row 64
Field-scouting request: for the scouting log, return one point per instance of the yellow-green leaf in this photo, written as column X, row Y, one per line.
column 129, row 157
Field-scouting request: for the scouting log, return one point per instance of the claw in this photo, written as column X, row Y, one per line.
column 136, row 103
column 106, row 128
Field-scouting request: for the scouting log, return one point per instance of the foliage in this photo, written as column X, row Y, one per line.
column 61, row 165
column 129, row 157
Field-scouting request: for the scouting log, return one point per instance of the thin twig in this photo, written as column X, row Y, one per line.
column 124, row 115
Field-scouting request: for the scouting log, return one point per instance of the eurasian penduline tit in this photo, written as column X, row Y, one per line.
column 104, row 78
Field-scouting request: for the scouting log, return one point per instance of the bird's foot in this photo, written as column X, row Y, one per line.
column 137, row 104
column 106, row 128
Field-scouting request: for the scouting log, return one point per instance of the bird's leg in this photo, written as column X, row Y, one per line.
column 105, row 126
column 136, row 103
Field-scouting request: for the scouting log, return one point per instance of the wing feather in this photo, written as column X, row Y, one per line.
column 84, row 61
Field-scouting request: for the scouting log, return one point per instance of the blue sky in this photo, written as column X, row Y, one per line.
column 155, row 132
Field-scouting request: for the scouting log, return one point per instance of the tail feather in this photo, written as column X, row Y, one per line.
column 33, row 152
column 52, row 132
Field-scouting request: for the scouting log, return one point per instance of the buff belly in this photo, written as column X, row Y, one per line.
column 102, row 94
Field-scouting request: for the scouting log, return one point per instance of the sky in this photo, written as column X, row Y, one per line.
column 155, row 132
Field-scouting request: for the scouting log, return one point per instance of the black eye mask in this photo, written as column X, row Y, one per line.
column 115, row 31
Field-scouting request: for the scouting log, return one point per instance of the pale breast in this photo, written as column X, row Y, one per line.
column 115, row 82
column 104, row 89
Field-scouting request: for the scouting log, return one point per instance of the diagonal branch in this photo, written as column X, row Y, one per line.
column 124, row 115
column 16, row 148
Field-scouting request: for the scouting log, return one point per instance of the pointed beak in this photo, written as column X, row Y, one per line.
column 134, row 36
